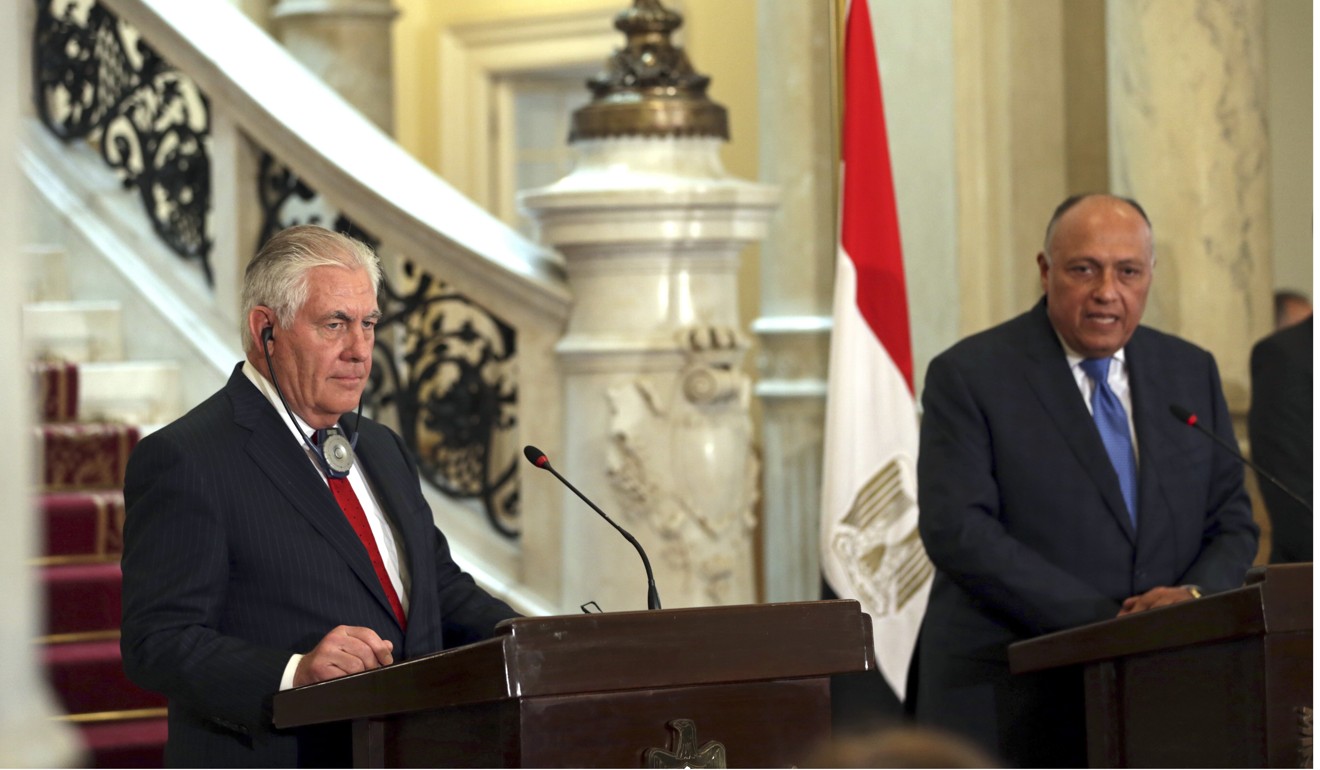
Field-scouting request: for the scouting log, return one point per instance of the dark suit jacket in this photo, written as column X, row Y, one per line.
column 1021, row 513
column 236, row 555
column 1282, row 388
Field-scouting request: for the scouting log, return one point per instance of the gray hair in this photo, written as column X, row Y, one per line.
column 277, row 276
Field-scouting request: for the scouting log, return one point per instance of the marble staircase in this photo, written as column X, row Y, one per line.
column 92, row 408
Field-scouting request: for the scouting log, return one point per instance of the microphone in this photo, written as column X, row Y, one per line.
column 1189, row 418
column 537, row 457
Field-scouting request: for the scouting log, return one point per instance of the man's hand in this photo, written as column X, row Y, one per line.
column 1161, row 596
column 345, row 650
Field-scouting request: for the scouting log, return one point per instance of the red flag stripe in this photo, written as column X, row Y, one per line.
column 870, row 233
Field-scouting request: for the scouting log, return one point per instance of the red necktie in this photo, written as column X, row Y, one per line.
column 348, row 501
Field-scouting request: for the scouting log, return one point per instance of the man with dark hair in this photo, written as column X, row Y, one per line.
column 1056, row 490
column 1290, row 308
column 273, row 538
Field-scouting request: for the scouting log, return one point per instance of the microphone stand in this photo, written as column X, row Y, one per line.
column 537, row 457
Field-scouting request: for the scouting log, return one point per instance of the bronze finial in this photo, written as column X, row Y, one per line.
column 648, row 87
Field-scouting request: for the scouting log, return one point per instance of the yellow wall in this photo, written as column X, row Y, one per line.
column 719, row 35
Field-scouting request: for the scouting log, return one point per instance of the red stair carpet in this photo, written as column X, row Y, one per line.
column 82, row 508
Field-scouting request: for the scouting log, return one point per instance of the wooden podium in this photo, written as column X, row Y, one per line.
column 1223, row 681
column 662, row 688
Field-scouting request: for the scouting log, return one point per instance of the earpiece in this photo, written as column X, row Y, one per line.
column 267, row 335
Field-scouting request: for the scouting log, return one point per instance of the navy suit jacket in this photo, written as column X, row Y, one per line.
column 1280, row 427
column 236, row 555
column 1022, row 515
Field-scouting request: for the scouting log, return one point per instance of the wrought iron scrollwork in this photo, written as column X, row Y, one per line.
column 287, row 200
column 443, row 364
column 94, row 78
column 456, row 392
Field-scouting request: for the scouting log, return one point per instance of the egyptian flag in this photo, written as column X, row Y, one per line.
column 870, row 548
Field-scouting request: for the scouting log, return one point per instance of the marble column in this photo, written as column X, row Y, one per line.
column 347, row 43
column 1188, row 131
column 798, row 151
column 29, row 734
column 1011, row 142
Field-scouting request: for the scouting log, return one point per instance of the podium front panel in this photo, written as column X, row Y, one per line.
column 1195, row 706
column 759, row 724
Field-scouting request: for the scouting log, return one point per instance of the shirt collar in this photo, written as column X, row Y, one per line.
column 1075, row 359
column 267, row 389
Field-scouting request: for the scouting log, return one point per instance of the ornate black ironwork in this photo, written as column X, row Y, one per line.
column 450, row 381
column 95, row 79
column 443, row 364
column 287, row 200
column 456, row 393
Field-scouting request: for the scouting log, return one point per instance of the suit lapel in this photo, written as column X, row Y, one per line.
column 1152, row 422
column 1053, row 383
column 274, row 450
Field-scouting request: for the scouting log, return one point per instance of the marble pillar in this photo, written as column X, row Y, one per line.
column 1011, row 142
column 657, row 428
column 1188, row 140
column 347, row 44
column 798, row 151
column 29, row 734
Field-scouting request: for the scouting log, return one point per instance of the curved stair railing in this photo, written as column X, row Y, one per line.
column 224, row 138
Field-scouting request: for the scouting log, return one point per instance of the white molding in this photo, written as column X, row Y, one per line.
column 474, row 56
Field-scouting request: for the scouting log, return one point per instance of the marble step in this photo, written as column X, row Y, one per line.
column 143, row 393
column 46, row 273
column 81, row 332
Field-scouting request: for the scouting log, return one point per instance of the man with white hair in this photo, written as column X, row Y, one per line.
column 274, row 539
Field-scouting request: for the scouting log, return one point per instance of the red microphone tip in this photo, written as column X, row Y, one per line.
column 1185, row 416
column 536, row 457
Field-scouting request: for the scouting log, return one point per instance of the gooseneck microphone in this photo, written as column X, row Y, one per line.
column 537, row 457
column 1189, row 418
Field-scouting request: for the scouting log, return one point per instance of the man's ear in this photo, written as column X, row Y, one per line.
column 261, row 326
column 1043, row 262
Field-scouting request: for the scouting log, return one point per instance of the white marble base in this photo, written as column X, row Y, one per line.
column 657, row 428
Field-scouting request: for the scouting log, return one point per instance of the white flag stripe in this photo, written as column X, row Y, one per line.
column 871, row 429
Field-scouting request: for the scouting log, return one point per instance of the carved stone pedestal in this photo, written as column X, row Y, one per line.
column 657, row 427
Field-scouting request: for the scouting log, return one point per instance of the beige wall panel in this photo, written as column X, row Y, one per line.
column 1289, row 49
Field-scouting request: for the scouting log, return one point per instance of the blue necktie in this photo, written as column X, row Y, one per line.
column 1112, row 421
